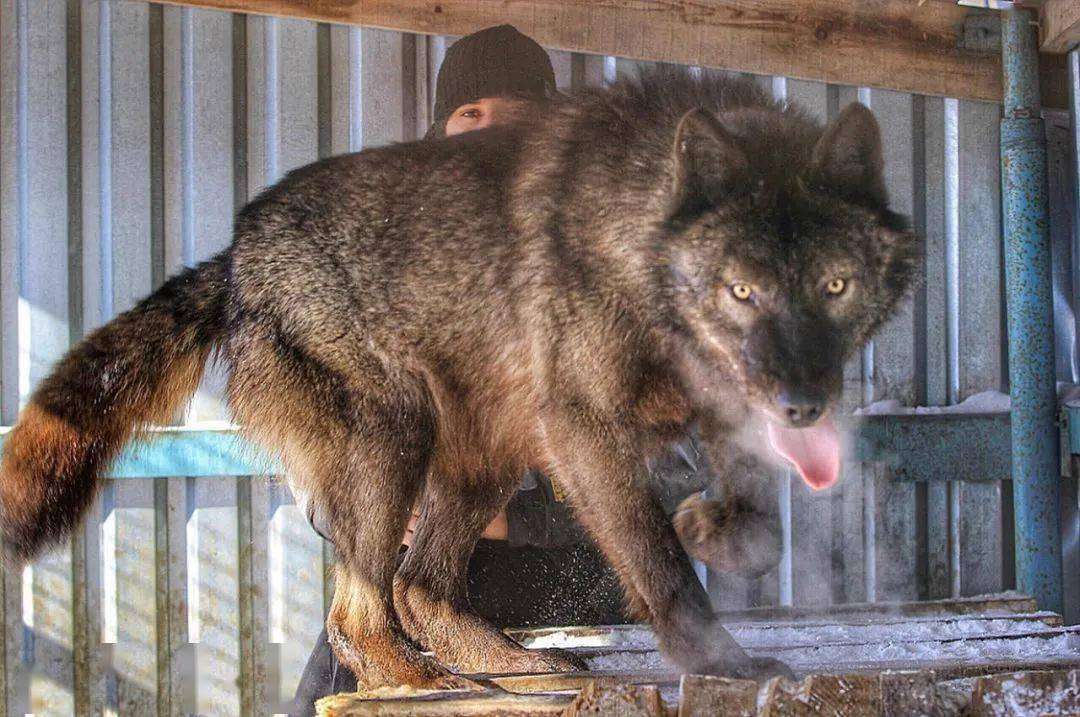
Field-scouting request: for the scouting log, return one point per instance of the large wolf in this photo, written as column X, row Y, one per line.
column 571, row 293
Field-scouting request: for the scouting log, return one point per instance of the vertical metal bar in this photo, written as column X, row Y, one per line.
column 785, row 572
column 1070, row 518
column 105, row 156
column 273, row 101
column 952, row 312
column 869, row 472
column 1030, row 317
column 1073, row 64
column 356, row 90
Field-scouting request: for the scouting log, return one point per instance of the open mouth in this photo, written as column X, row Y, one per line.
column 814, row 450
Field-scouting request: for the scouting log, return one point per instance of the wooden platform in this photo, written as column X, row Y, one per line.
column 989, row 655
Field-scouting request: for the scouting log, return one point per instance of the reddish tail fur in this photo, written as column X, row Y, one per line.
column 135, row 371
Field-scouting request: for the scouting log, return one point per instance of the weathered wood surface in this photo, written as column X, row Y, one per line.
column 701, row 696
column 489, row 703
column 854, row 695
column 621, row 700
column 889, row 694
column 892, row 44
column 1059, row 25
column 889, row 665
column 1030, row 693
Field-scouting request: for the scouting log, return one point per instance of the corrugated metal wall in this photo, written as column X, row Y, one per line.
column 129, row 135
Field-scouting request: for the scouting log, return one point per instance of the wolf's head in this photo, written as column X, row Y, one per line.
column 782, row 255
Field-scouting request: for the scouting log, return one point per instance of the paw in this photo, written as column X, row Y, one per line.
column 562, row 660
column 758, row 669
column 728, row 539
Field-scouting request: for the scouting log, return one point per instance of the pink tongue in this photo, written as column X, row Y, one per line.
column 814, row 451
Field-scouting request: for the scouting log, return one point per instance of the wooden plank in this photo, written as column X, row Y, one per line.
column 622, row 700
column 701, row 696
column 1059, row 25
column 1042, row 693
column 566, row 681
column 822, row 695
column 911, row 692
column 915, row 47
column 491, row 703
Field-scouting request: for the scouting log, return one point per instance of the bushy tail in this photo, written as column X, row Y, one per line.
column 136, row 370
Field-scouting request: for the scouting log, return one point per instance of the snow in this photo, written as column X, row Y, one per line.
column 985, row 402
column 850, row 645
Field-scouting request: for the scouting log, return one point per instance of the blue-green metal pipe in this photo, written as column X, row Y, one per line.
column 1029, row 295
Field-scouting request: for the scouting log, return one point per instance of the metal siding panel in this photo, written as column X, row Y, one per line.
column 90, row 300
column 295, row 551
column 345, row 78
column 135, row 657
column 850, row 498
column 981, row 329
column 203, row 629
column 562, row 63
column 812, row 513
column 172, row 550
column 383, row 79
column 895, row 364
column 213, row 589
column 1062, row 227
column 43, row 316
column 937, row 549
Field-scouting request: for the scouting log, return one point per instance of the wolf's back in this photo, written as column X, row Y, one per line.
column 134, row 371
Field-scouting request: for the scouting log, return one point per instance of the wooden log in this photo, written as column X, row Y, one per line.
column 488, row 703
column 914, row 692
column 822, row 696
column 1027, row 693
column 920, row 47
column 617, row 701
column 1007, row 602
column 702, row 696
column 562, row 681
column 1059, row 25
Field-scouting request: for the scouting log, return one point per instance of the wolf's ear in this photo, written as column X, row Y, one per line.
column 708, row 161
column 848, row 155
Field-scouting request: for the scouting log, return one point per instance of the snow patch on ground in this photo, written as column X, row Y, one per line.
column 826, row 647
column 985, row 402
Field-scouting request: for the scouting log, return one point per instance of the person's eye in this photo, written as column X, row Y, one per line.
column 472, row 114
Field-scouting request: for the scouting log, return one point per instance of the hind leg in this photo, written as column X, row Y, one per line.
column 368, row 509
column 359, row 443
column 430, row 586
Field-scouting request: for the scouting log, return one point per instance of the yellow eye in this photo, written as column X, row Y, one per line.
column 836, row 287
column 742, row 292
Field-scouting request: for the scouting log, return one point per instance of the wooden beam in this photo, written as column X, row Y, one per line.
column 903, row 45
column 1059, row 25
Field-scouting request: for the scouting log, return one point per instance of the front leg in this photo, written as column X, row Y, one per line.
column 737, row 530
column 604, row 470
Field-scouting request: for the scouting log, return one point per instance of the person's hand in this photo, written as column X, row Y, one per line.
column 496, row 530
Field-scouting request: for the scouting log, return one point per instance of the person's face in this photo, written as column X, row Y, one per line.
column 483, row 113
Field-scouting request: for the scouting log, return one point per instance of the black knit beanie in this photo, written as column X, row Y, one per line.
column 491, row 63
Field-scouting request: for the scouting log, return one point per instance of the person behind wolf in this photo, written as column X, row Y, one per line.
column 534, row 565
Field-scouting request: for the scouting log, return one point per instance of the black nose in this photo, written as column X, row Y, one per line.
column 799, row 410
